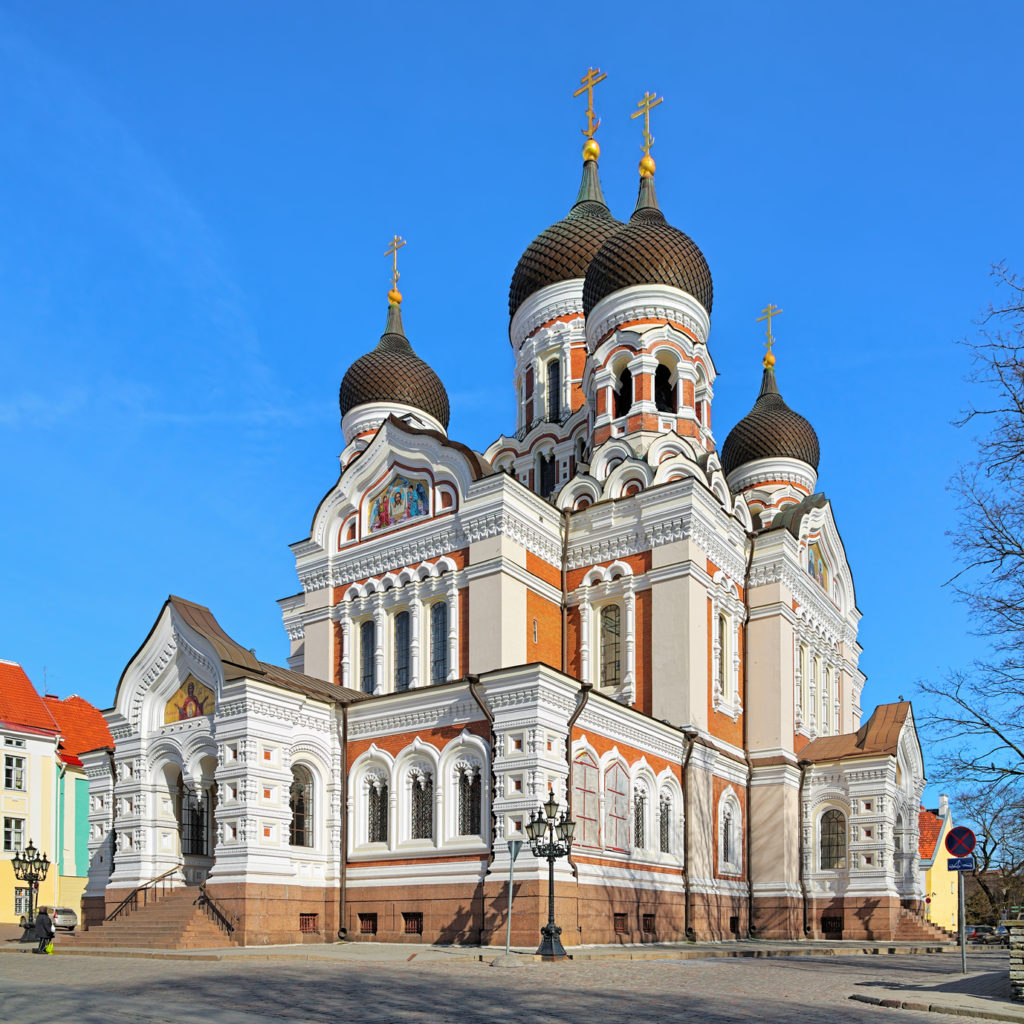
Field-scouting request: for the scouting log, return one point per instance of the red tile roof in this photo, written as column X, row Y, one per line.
column 931, row 828
column 20, row 705
column 82, row 727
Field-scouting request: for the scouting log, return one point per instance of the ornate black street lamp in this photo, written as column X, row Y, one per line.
column 30, row 867
column 551, row 837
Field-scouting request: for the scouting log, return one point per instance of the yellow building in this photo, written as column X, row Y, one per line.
column 44, row 797
column 940, row 884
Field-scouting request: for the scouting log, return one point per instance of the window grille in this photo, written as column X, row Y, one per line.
column 194, row 821
column 640, row 820
column 300, row 800
column 833, row 840
column 438, row 642
column 548, row 474
column 584, row 799
column 367, row 643
column 422, row 806
column 734, row 924
column 610, row 645
column 309, row 924
column 413, row 922
column 377, row 812
column 665, row 824
column 367, row 924
column 616, row 804
column 623, row 399
column 832, row 926
column 469, row 802
column 648, row 923
column 402, row 651
column 554, row 391
column 14, row 772
column 722, row 654
column 727, row 836
column 664, row 392
column 620, row 923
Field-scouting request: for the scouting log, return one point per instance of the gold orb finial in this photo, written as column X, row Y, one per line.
column 395, row 297
column 591, row 150
column 647, row 166
column 769, row 360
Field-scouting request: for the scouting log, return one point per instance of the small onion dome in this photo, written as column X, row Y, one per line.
column 392, row 372
column 647, row 250
column 771, row 430
column 563, row 251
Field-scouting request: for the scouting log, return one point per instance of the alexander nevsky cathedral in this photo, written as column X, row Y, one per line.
column 608, row 608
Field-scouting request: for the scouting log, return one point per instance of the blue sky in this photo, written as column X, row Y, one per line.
column 196, row 200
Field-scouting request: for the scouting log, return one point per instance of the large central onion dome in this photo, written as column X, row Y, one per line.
column 771, row 430
column 647, row 250
column 392, row 374
column 563, row 251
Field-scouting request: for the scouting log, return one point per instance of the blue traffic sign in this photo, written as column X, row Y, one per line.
column 960, row 841
column 960, row 864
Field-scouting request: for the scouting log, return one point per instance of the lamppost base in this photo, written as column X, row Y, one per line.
column 551, row 944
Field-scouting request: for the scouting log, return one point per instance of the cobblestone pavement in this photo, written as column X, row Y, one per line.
column 109, row 990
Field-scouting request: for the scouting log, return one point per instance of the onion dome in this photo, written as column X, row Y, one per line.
column 393, row 374
column 647, row 250
column 563, row 251
column 771, row 430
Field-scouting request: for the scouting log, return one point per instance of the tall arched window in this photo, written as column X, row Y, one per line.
column 624, row 394
column 585, row 800
column 377, row 810
column 616, row 803
column 833, row 840
column 367, row 663
column 300, row 800
column 664, row 392
column 402, row 651
column 730, row 834
column 422, row 804
column 665, row 823
column 554, row 391
column 727, row 837
column 640, row 819
column 723, row 654
column 547, row 470
column 611, row 645
column 469, row 801
column 438, row 641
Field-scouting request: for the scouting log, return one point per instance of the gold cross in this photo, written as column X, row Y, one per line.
column 646, row 105
column 588, row 81
column 766, row 314
column 392, row 250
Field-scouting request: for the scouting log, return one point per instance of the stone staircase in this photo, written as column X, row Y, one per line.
column 913, row 927
column 174, row 921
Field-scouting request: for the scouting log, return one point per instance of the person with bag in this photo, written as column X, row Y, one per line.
column 44, row 932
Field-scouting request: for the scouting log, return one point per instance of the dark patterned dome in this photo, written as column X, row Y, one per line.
column 771, row 430
column 392, row 372
column 647, row 250
column 564, row 251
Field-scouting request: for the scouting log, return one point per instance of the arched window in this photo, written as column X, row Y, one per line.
column 300, row 800
column 584, row 799
column 554, row 391
column 664, row 392
column 402, row 651
column 438, row 641
column 665, row 823
column 624, row 394
column 730, row 835
column 640, row 819
column 547, row 470
column 422, row 804
column 611, row 670
column 367, row 663
column 723, row 654
column 833, row 840
column 469, row 801
column 727, row 839
column 377, row 809
column 616, row 802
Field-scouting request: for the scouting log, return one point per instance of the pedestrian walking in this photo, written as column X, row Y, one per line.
column 44, row 931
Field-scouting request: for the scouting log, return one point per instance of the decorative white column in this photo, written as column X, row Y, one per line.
column 453, row 627
column 415, row 623
column 345, row 619
column 378, row 651
column 585, row 640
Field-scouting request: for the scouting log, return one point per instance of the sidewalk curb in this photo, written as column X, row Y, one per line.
column 953, row 1011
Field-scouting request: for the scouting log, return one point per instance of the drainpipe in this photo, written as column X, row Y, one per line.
column 343, row 856
column 804, row 765
column 62, row 770
column 691, row 738
column 748, row 831
column 585, row 689
column 566, row 513
column 474, row 690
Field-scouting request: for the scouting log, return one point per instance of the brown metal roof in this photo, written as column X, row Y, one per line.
column 878, row 736
column 647, row 250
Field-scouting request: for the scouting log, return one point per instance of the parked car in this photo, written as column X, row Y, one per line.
column 65, row 917
column 1000, row 936
column 979, row 933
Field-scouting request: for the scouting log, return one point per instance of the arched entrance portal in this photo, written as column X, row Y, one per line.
column 194, row 809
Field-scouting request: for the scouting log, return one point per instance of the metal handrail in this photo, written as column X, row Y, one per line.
column 132, row 897
column 213, row 909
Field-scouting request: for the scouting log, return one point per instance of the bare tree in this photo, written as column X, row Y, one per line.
column 998, row 877
column 979, row 713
